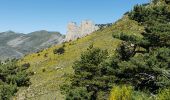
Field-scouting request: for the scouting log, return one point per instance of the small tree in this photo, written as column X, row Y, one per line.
column 121, row 93
column 12, row 77
column 91, row 73
column 59, row 51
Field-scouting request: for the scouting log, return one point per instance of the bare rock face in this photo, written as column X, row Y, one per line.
column 74, row 31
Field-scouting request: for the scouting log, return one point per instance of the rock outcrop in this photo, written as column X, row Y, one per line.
column 74, row 31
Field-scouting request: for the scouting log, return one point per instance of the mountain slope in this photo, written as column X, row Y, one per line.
column 52, row 70
column 15, row 45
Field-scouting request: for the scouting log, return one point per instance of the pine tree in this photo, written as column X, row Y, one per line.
column 93, row 73
column 145, row 61
column 12, row 77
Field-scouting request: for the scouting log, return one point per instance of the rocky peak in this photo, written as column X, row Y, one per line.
column 74, row 31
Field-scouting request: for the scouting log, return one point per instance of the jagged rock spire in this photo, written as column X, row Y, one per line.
column 74, row 31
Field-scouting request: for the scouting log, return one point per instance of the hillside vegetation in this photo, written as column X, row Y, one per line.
column 129, row 60
column 139, row 68
column 52, row 70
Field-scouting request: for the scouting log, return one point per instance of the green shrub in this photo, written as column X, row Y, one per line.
column 46, row 55
column 7, row 91
column 43, row 70
column 79, row 93
column 59, row 51
column 11, row 78
column 121, row 93
column 126, row 92
column 102, row 95
column 138, row 95
column 164, row 94
column 26, row 66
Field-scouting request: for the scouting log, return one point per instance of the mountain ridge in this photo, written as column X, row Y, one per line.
column 16, row 45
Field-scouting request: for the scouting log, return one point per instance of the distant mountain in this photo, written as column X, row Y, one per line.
column 15, row 45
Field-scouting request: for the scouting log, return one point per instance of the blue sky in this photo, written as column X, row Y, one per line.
column 31, row 15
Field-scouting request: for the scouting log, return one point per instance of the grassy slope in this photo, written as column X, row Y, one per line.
column 45, row 85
